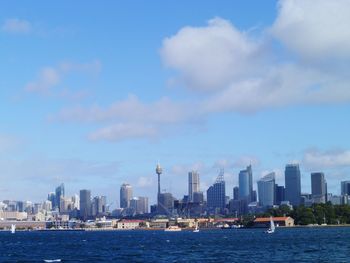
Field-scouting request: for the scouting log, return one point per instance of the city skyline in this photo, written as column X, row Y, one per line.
column 94, row 100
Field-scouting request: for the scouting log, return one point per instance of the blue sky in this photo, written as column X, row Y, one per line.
column 95, row 95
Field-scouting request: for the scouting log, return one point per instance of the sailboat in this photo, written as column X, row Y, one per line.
column 196, row 229
column 272, row 227
column 13, row 229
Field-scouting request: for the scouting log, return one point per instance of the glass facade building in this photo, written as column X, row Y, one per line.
column 266, row 190
column 292, row 184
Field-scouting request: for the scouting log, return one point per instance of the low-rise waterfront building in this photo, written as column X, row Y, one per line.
column 279, row 221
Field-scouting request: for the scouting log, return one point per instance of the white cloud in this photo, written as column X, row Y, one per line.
column 121, row 131
column 145, row 182
column 49, row 78
column 316, row 159
column 17, row 26
column 230, row 70
column 246, row 74
column 209, row 58
column 314, row 29
column 131, row 118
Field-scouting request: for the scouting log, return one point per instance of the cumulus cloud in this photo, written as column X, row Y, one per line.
column 209, row 58
column 247, row 74
column 231, row 70
column 16, row 26
column 51, row 77
column 315, row 159
column 314, row 29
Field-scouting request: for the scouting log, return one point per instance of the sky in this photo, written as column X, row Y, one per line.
column 94, row 94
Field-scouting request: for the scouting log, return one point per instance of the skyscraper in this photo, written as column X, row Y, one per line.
column 345, row 188
column 266, row 190
column 139, row 204
column 85, row 204
column 166, row 204
column 216, row 196
column 58, row 195
column 280, row 194
column 193, row 184
column 235, row 193
column 98, row 206
column 246, row 184
column 292, row 184
column 318, row 187
column 52, row 197
column 125, row 195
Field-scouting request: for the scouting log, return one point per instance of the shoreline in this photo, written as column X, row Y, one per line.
column 162, row 229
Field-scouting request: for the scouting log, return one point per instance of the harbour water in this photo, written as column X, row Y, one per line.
column 322, row 244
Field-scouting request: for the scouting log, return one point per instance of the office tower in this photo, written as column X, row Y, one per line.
column 193, row 184
column 266, row 190
column 98, row 206
column 318, row 187
column 280, row 194
column 76, row 202
column 198, row 197
column 85, row 204
column 66, row 204
column 235, row 193
column 159, row 171
column 47, row 205
column 125, row 195
column 254, row 197
column 58, row 195
column 139, row 205
column 345, row 188
column 142, row 206
column 166, row 203
column 246, row 184
column 52, row 197
column 216, row 196
column 292, row 184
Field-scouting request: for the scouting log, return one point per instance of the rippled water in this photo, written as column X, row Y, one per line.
column 324, row 244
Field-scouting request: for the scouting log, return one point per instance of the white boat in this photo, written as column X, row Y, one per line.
column 272, row 227
column 13, row 229
column 173, row 229
column 196, row 229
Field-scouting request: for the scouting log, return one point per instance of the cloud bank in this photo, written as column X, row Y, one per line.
column 299, row 60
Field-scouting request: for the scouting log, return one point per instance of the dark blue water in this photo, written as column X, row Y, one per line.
column 236, row 245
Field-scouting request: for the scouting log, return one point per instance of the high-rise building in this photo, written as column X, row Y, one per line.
column 345, row 188
column 125, row 195
column 139, row 205
column 58, row 195
column 292, row 184
column 193, row 184
column 216, row 196
column 266, row 190
column 318, row 187
column 245, row 180
column 235, row 193
column 280, row 194
column 166, row 203
column 98, row 206
column 85, row 204
column 52, row 197
column 198, row 197
column 76, row 202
